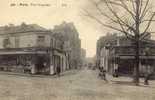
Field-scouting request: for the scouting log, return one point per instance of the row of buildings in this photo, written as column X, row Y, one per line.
column 116, row 53
column 34, row 49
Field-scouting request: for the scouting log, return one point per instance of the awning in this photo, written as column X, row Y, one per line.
column 133, row 57
column 21, row 52
column 126, row 57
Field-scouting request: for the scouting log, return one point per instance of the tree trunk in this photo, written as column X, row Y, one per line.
column 137, row 60
column 137, row 22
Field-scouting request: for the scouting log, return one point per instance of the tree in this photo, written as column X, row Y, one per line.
column 133, row 18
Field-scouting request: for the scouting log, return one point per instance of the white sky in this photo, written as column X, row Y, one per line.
column 53, row 15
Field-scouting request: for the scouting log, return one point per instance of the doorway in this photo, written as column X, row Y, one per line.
column 40, row 65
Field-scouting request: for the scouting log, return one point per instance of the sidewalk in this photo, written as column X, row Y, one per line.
column 67, row 72
column 128, row 81
column 72, row 85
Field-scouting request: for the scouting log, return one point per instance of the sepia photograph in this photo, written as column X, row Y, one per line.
column 77, row 50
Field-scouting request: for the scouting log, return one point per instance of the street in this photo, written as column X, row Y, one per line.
column 73, row 85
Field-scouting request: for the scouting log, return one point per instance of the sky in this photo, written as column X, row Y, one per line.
column 55, row 13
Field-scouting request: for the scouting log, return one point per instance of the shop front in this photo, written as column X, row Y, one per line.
column 23, row 61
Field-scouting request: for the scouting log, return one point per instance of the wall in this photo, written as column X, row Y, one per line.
column 25, row 40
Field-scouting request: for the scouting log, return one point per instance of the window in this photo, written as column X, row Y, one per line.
column 41, row 40
column 52, row 42
column 17, row 42
column 6, row 43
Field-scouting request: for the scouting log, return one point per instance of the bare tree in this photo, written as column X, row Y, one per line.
column 133, row 18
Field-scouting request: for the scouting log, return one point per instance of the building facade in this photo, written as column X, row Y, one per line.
column 30, row 48
column 118, row 54
column 83, row 58
column 67, row 32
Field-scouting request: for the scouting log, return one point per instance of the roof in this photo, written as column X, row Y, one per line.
column 21, row 28
column 124, row 41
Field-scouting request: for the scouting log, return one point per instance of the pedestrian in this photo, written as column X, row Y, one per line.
column 115, row 73
column 102, row 73
column 58, row 71
column 147, row 75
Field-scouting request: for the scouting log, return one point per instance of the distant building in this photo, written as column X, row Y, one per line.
column 117, row 53
column 101, row 44
column 30, row 48
column 83, row 57
column 91, row 62
column 68, row 33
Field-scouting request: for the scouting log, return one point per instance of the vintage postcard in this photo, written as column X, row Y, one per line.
column 77, row 50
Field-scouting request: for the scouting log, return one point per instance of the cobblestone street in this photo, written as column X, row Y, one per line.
column 72, row 85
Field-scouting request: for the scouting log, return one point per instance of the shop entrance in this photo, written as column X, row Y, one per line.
column 41, row 65
column 57, row 63
column 126, row 67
